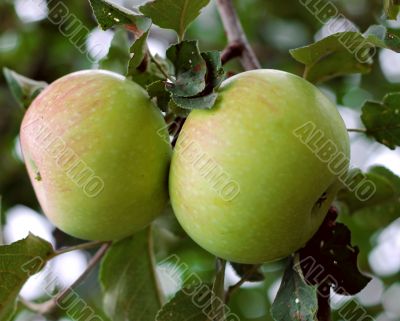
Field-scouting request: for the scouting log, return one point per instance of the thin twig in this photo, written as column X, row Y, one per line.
column 235, row 34
column 49, row 306
column 237, row 285
column 159, row 67
column 356, row 130
column 83, row 246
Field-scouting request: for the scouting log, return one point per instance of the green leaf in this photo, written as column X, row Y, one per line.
column 183, row 308
column 109, row 14
column 330, row 261
column 118, row 55
column 129, row 281
column 162, row 96
column 190, row 69
column 391, row 8
column 382, row 120
column 215, row 71
column 197, row 76
column 382, row 208
column 332, row 56
column 296, row 300
column 178, row 111
column 382, row 37
column 24, row 90
column 344, row 53
column 202, row 102
column 18, row 261
column 138, row 49
column 392, row 39
column 174, row 14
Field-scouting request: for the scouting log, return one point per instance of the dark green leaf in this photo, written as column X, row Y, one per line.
column 129, row 281
column 296, row 300
column 382, row 208
column 330, row 261
column 392, row 8
column 189, row 304
column 382, row 120
column 215, row 72
column 250, row 272
column 202, row 102
column 157, row 90
column 174, row 14
column 18, row 261
column 392, row 39
column 109, row 14
column 138, row 49
column 118, row 55
column 24, row 90
column 190, row 69
column 179, row 111
column 197, row 76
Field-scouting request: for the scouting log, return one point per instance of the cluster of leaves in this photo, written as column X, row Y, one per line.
column 328, row 261
column 187, row 78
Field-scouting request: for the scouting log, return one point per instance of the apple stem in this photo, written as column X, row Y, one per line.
column 236, row 36
column 83, row 246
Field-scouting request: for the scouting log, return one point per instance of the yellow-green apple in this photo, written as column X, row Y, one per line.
column 252, row 179
column 97, row 152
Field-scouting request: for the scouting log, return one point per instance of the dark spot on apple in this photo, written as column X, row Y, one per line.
column 322, row 199
column 38, row 177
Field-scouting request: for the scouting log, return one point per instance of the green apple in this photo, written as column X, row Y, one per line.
column 250, row 179
column 97, row 152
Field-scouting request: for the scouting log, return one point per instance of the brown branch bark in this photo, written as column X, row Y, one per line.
column 231, row 51
column 235, row 34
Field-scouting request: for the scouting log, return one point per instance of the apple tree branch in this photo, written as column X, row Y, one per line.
column 237, row 40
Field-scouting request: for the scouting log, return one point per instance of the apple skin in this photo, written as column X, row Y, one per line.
column 249, row 135
column 97, row 152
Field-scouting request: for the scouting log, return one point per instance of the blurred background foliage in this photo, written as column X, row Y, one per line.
column 31, row 45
